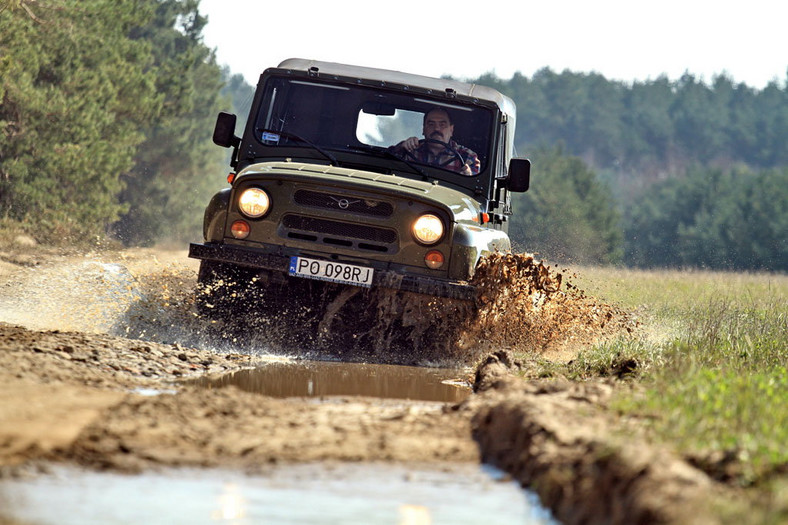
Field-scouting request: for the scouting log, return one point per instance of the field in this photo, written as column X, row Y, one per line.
column 711, row 369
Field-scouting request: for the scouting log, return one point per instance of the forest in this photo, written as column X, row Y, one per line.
column 107, row 110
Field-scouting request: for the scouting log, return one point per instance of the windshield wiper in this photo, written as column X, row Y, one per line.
column 384, row 152
column 287, row 134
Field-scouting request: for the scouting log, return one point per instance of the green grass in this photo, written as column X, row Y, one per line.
column 712, row 361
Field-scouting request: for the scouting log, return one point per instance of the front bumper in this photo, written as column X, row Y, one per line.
column 383, row 278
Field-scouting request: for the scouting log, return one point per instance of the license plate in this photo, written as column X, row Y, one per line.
column 335, row 272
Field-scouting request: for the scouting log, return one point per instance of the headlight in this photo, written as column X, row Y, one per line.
column 254, row 203
column 428, row 229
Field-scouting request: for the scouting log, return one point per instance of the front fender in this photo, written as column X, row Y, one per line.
column 216, row 216
column 471, row 243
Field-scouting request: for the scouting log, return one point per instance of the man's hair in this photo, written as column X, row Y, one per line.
column 437, row 108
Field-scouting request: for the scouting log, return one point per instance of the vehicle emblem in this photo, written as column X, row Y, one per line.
column 343, row 203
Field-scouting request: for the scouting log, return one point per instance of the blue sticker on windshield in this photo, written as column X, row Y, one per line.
column 270, row 137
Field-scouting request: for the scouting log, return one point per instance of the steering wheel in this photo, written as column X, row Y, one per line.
column 455, row 154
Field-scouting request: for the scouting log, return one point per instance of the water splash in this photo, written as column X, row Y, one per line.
column 522, row 304
column 88, row 296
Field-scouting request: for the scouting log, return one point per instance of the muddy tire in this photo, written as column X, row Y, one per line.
column 382, row 325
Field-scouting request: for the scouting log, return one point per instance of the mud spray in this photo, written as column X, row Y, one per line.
column 522, row 304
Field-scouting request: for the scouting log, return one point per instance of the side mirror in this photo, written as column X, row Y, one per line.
column 224, row 131
column 519, row 177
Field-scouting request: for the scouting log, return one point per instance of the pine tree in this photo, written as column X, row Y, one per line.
column 75, row 90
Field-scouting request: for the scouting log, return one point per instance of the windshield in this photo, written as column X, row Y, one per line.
column 333, row 118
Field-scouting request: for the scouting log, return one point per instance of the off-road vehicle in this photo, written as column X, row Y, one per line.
column 319, row 195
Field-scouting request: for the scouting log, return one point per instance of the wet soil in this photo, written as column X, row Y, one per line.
column 585, row 463
column 116, row 391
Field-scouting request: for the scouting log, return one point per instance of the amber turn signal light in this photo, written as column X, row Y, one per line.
column 240, row 229
column 434, row 259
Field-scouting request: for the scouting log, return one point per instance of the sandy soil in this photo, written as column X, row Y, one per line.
column 85, row 397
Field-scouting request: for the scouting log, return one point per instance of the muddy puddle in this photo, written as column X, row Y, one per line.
column 294, row 494
column 328, row 378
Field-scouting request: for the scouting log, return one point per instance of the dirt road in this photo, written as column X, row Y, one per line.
column 88, row 340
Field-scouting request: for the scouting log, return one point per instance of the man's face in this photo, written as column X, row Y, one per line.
column 437, row 126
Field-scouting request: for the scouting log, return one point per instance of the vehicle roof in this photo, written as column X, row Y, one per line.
column 406, row 79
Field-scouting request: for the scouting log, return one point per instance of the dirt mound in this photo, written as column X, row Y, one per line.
column 554, row 437
column 53, row 383
column 104, row 361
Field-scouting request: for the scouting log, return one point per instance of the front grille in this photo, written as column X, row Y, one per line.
column 338, row 233
column 331, row 201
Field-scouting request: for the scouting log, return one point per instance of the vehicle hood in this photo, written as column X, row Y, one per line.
column 458, row 204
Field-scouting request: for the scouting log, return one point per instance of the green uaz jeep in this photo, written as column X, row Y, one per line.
column 325, row 189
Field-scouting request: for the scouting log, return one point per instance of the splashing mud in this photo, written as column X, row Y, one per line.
column 526, row 306
column 88, row 296
column 522, row 304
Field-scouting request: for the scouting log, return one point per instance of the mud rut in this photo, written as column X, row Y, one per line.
column 548, row 435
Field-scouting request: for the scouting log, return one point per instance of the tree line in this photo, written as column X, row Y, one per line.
column 107, row 109
column 651, row 127
column 106, row 112
column 712, row 218
column 661, row 173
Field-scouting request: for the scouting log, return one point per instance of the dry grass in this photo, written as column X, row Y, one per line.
column 712, row 361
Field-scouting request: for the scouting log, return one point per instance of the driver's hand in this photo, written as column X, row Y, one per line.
column 410, row 144
column 468, row 170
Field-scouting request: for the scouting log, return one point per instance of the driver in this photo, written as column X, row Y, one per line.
column 438, row 148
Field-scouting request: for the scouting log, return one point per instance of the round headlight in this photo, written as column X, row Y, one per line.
column 254, row 203
column 428, row 229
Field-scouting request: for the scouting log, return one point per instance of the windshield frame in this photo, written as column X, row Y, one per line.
column 269, row 113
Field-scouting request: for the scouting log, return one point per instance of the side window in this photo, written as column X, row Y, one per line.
column 387, row 130
column 500, row 154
